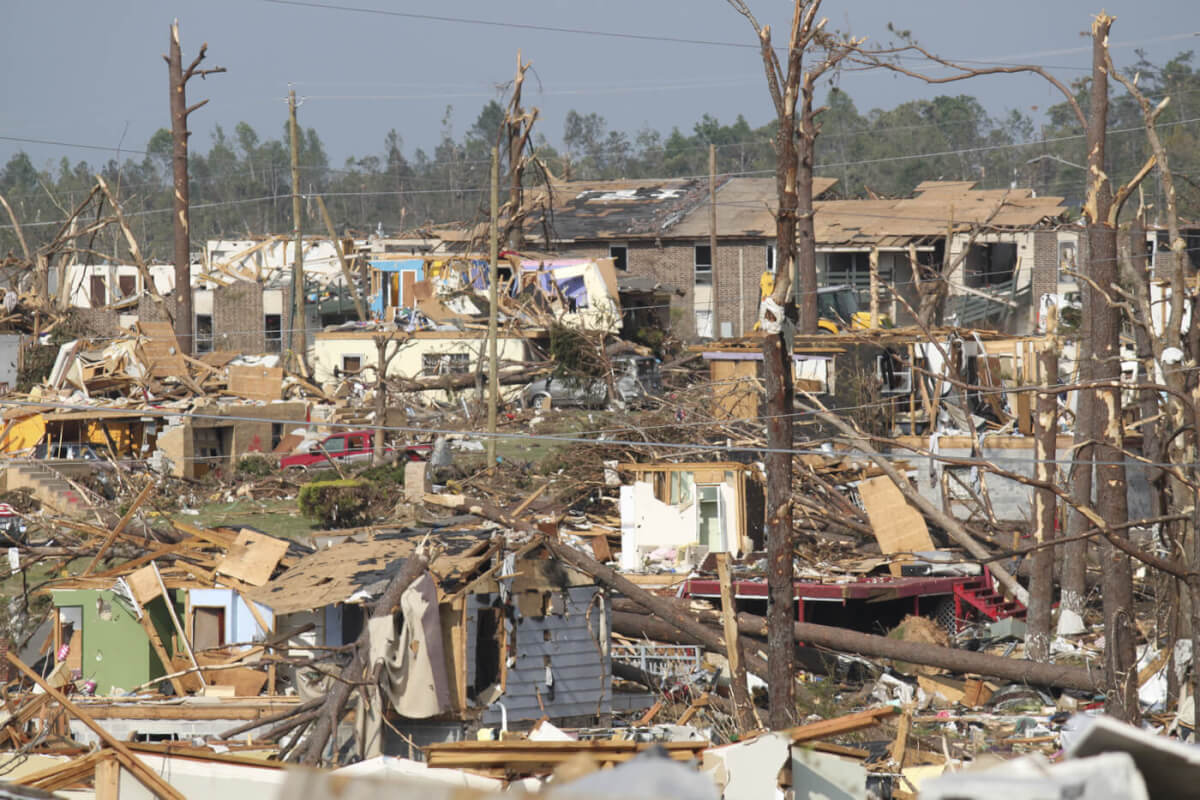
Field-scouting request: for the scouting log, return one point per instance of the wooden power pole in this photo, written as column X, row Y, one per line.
column 493, row 314
column 180, row 111
column 299, row 334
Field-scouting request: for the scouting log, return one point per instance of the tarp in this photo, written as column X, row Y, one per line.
column 414, row 665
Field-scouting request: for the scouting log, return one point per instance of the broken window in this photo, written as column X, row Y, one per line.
column 703, row 265
column 353, row 620
column 853, row 269
column 273, row 329
column 619, row 253
column 204, row 333
column 98, row 291
column 351, row 364
column 127, row 285
column 771, row 258
column 990, row 264
column 489, row 632
column 575, row 292
column 276, row 434
column 445, row 363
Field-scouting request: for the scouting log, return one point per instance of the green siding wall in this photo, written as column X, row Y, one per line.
column 116, row 653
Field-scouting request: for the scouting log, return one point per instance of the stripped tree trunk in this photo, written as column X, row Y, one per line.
column 1045, row 504
column 1111, row 498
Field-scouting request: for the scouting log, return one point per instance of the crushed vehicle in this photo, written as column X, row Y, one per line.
column 636, row 378
column 347, row 447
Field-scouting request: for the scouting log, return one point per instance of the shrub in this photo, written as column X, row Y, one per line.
column 384, row 473
column 256, row 465
column 336, row 504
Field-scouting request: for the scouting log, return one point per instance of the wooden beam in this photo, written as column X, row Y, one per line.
column 125, row 520
column 108, row 779
column 839, row 725
column 187, row 645
column 146, row 776
column 744, row 714
column 346, row 274
column 161, row 651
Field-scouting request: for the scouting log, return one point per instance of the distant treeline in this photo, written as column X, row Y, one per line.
column 241, row 185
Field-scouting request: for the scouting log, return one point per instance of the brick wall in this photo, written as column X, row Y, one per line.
column 1045, row 264
column 740, row 265
column 672, row 264
column 149, row 309
column 99, row 321
column 238, row 318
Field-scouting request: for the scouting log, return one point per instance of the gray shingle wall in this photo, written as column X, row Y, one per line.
column 582, row 674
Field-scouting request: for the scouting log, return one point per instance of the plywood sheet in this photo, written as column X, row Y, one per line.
column 899, row 528
column 161, row 351
column 144, row 585
column 256, row 383
column 253, row 557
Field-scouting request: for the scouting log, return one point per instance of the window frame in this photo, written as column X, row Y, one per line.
column 357, row 370
column 204, row 342
column 623, row 258
column 701, row 276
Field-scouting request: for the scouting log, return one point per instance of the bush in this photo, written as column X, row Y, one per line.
column 384, row 473
column 336, row 504
column 256, row 465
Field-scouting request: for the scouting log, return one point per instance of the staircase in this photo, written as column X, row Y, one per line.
column 48, row 487
column 980, row 594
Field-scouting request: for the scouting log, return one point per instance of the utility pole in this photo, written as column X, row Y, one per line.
column 493, row 270
column 712, row 237
column 180, row 111
column 299, row 335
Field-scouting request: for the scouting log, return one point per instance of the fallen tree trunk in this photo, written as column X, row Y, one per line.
column 683, row 620
column 629, row 672
column 807, row 658
column 354, row 673
column 866, row 644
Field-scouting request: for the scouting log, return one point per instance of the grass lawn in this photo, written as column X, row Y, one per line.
column 277, row 517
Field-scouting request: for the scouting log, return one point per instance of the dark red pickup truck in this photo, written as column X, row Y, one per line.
column 348, row 447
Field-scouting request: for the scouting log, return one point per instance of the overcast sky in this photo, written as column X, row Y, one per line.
column 87, row 72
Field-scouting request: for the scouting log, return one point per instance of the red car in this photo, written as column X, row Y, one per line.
column 348, row 447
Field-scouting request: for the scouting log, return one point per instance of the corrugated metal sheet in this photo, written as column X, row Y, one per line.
column 576, row 653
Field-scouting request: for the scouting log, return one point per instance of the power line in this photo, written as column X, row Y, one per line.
column 524, row 26
column 563, row 439
column 746, row 173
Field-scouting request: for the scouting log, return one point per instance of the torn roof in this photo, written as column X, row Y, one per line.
column 937, row 204
column 352, row 571
column 671, row 208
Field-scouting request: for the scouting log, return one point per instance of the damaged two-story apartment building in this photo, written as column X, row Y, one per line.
column 1015, row 244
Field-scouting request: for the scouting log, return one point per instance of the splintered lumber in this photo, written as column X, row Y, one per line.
column 953, row 528
column 679, row 620
column 745, row 715
column 310, row 705
column 146, row 776
column 112, row 537
column 665, row 610
column 525, row 756
column 64, row 775
column 840, row 725
column 843, row 640
column 331, row 711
